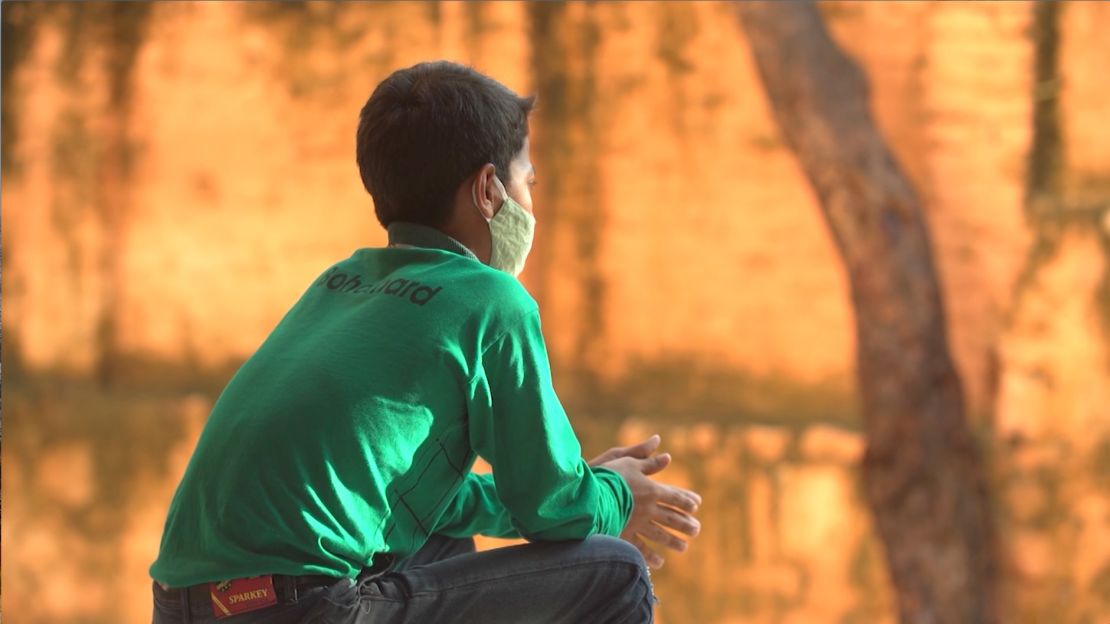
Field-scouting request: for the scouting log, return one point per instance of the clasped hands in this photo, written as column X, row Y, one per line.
column 657, row 507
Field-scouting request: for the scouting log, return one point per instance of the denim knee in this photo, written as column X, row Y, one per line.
column 633, row 589
column 616, row 549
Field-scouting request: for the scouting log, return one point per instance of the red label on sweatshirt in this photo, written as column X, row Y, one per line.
column 242, row 595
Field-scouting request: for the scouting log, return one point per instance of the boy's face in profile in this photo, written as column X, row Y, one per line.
column 522, row 176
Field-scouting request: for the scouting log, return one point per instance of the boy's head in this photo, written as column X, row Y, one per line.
column 431, row 127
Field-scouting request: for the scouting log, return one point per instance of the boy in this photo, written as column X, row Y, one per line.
column 332, row 480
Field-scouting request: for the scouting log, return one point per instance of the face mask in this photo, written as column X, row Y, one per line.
column 511, row 231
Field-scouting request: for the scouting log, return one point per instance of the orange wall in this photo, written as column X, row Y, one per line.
column 171, row 185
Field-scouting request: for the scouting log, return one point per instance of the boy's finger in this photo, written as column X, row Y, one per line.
column 643, row 449
column 679, row 499
column 654, row 464
column 655, row 533
column 671, row 519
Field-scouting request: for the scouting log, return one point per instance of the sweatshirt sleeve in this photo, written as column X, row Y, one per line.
column 476, row 510
column 518, row 425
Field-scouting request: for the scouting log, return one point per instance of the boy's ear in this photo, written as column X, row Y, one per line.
column 488, row 192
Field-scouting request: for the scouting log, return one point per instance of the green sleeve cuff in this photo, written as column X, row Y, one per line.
column 621, row 510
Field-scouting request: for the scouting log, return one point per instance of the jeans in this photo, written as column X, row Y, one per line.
column 600, row 579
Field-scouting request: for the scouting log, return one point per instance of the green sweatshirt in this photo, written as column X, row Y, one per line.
column 353, row 428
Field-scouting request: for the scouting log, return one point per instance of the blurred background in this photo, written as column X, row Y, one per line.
column 175, row 174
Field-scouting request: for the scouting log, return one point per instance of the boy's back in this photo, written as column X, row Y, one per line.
column 332, row 435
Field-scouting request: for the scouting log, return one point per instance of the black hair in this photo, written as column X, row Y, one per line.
column 426, row 128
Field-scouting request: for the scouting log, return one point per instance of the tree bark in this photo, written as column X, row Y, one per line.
column 923, row 476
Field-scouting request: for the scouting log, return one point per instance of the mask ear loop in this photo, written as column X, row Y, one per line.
column 474, row 198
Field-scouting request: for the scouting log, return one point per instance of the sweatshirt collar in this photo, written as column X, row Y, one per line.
column 416, row 235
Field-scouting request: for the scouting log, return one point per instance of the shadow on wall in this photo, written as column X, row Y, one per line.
column 93, row 470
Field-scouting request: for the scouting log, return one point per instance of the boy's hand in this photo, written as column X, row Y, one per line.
column 657, row 507
column 643, row 450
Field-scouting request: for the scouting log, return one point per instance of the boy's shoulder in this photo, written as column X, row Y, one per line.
column 477, row 285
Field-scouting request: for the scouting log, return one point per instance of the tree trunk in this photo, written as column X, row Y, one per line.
column 922, row 472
